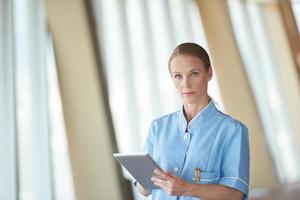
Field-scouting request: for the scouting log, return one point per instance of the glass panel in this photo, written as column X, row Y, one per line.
column 118, row 71
column 252, row 37
column 143, row 38
column 29, row 107
column 35, row 180
column 8, row 173
column 143, row 70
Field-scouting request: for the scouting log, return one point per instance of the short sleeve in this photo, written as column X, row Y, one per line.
column 235, row 160
column 149, row 143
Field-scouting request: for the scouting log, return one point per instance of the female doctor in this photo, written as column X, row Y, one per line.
column 205, row 152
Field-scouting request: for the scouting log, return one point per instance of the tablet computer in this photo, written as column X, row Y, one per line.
column 140, row 166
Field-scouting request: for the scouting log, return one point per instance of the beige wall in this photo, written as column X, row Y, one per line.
column 235, row 90
column 89, row 136
column 287, row 67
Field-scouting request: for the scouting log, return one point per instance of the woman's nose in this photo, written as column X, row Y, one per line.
column 186, row 82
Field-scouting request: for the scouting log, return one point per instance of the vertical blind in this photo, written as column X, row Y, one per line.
column 253, row 41
column 34, row 160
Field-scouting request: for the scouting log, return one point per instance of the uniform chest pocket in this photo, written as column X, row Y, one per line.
column 208, row 178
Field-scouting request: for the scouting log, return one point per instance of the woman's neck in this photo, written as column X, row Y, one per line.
column 191, row 110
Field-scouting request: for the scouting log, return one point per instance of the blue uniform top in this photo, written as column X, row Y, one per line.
column 215, row 143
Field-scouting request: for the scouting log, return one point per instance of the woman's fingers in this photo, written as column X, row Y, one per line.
column 159, row 182
column 162, row 179
column 172, row 184
column 162, row 175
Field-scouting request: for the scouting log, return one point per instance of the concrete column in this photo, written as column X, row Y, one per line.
column 285, row 42
column 293, row 36
column 235, row 89
column 87, row 118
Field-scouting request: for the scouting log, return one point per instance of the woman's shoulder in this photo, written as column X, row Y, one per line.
column 231, row 128
column 231, row 122
column 166, row 118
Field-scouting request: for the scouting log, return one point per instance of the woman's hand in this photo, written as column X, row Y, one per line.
column 173, row 185
column 142, row 190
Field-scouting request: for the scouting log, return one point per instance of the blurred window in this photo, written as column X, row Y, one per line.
column 34, row 162
column 8, row 156
column 256, row 51
column 136, row 38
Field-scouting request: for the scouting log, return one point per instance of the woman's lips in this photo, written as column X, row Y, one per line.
column 188, row 93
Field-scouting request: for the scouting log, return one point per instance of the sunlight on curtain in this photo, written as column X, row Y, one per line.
column 8, row 172
column 137, row 38
column 256, row 51
column 34, row 162
column 31, row 101
column 44, row 171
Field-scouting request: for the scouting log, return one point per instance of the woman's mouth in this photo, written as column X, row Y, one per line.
column 188, row 93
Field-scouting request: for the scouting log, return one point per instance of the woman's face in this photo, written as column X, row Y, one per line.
column 190, row 78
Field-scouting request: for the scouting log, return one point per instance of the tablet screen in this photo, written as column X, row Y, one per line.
column 140, row 166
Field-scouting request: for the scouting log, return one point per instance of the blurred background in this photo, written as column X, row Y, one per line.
column 82, row 79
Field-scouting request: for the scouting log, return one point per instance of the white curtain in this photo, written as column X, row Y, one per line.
column 34, row 162
column 256, row 51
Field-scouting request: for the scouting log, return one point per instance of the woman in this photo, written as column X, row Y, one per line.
column 204, row 152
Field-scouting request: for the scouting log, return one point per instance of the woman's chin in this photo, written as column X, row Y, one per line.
column 189, row 100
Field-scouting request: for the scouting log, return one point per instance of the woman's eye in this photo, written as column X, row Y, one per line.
column 195, row 74
column 178, row 76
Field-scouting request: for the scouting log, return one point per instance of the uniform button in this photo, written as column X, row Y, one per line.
column 175, row 169
column 185, row 136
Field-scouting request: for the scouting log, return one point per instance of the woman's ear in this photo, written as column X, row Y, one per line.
column 210, row 73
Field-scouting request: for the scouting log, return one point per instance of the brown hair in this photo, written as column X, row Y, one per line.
column 191, row 49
